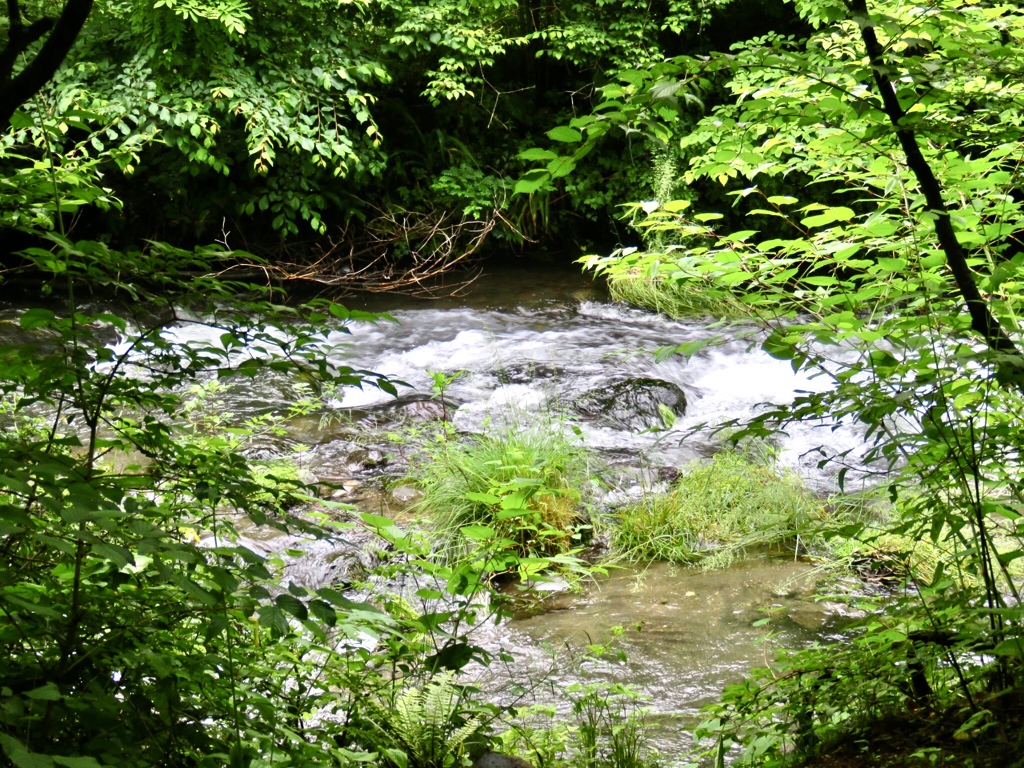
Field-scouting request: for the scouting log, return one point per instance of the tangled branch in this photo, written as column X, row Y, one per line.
column 397, row 250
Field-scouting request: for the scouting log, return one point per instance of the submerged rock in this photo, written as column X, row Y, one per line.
column 632, row 403
column 406, row 495
column 414, row 407
column 498, row 760
column 526, row 373
column 336, row 563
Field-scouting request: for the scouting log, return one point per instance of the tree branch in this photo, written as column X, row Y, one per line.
column 15, row 90
column 18, row 41
column 14, row 15
column 983, row 322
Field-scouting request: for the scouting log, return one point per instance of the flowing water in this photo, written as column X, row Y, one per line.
column 526, row 347
column 549, row 345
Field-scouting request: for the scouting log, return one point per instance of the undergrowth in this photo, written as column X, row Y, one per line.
column 917, row 682
column 607, row 726
column 677, row 299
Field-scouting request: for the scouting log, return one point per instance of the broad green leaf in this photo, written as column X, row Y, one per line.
column 292, row 605
column 484, row 498
column 535, row 154
column 35, row 318
column 77, row 762
column 828, row 216
column 376, row 521
column 532, row 181
column 478, row 532
column 564, row 133
column 48, row 692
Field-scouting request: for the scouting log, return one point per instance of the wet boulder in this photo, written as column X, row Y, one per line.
column 335, row 563
column 418, row 408
column 632, row 404
column 413, row 407
column 365, row 458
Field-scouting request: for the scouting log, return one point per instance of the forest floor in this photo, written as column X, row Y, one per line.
column 925, row 736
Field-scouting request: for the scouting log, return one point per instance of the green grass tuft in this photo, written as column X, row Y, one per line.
column 716, row 512
column 675, row 298
column 524, row 483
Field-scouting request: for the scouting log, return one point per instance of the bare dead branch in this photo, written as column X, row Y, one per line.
column 397, row 251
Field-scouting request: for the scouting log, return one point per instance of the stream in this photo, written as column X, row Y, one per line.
column 526, row 345
column 531, row 346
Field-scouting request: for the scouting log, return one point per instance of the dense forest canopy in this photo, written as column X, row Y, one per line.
column 292, row 120
column 838, row 180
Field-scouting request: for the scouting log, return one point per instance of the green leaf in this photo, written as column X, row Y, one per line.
column 780, row 346
column 674, row 206
column 1012, row 648
column 274, row 619
column 452, row 657
column 478, row 532
column 292, row 606
column 323, row 612
column 511, row 513
column 36, row 318
column 77, row 762
column 531, row 182
column 829, row 216
column 118, row 555
column 564, row 133
column 217, row 625
column 535, row 154
column 561, row 166
column 376, row 521
column 485, row 498
column 48, row 692
column 21, row 757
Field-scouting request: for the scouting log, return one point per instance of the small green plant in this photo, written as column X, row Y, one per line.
column 611, row 730
column 426, row 726
column 540, row 735
column 522, row 487
column 716, row 511
column 440, row 383
column 608, row 727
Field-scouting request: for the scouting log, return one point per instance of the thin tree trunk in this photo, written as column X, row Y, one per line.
column 983, row 322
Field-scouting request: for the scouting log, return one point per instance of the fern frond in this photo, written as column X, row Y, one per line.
column 420, row 722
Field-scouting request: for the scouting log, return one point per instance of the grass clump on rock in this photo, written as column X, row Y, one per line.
column 718, row 510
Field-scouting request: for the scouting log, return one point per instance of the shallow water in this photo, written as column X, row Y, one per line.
column 688, row 633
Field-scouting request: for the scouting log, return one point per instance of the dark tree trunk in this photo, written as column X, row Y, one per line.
column 60, row 34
